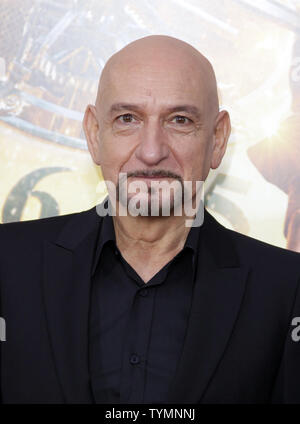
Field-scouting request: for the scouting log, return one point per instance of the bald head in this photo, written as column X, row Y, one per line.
column 162, row 54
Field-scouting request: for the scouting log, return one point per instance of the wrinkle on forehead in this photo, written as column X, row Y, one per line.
column 163, row 53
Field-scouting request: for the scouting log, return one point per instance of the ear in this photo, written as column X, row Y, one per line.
column 91, row 130
column 221, row 135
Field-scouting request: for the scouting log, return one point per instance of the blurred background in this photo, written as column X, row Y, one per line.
column 51, row 55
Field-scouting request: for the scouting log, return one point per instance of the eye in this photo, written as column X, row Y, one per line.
column 179, row 119
column 126, row 118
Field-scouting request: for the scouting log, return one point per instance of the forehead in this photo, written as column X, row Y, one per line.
column 155, row 83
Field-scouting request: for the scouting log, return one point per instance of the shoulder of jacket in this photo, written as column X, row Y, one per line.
column 39, row 226
column 250, row 248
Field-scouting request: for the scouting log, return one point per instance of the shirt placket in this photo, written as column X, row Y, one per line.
column 137, row 339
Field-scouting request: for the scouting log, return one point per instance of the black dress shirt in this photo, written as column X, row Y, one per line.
column 137, row 330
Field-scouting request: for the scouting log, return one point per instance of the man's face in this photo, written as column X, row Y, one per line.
column 154, row 123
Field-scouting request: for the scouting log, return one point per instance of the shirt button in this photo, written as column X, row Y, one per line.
column 134, row 359
column 143, row 292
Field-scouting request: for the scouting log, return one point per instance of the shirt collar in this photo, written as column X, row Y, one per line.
column 106, row 234
column 192, row 239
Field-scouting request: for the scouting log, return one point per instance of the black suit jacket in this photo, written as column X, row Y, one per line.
column 238, row 347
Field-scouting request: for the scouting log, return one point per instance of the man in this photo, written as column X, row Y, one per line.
column 135, row 308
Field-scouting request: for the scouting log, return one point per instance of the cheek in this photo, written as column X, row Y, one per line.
column 113, row 154
column 192, row 160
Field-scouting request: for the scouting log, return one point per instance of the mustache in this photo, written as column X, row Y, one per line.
column 147, row 173
column 154, row 173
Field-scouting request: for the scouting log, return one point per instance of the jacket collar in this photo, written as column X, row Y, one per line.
column 219, row 288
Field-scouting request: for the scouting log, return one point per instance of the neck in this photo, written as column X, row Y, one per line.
column 150, row 236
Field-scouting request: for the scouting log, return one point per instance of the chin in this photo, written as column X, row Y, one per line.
column 147, row 205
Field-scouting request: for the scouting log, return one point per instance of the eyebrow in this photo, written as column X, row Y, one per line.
column 192, row 110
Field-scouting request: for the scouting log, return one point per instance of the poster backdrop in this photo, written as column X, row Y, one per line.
column 51, row 54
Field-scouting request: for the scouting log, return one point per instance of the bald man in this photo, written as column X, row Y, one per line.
column 142, row 299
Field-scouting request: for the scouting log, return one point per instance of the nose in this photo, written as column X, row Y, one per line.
column 152, row 148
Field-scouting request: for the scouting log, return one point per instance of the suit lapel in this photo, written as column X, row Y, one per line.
column 218, row 292
column 67, row 267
